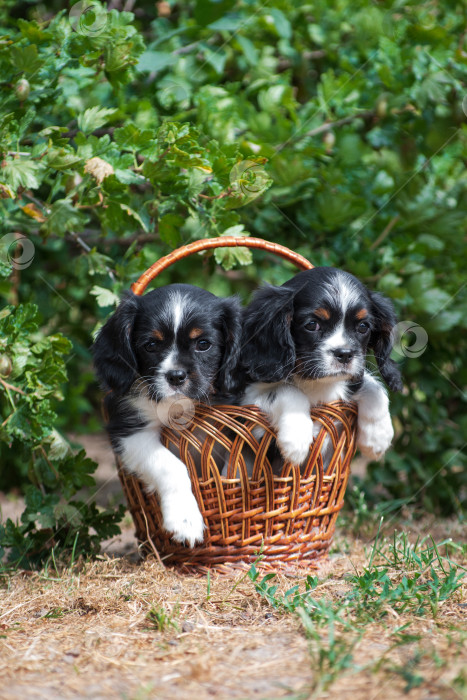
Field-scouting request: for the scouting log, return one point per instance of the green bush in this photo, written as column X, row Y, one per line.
column 336, row 129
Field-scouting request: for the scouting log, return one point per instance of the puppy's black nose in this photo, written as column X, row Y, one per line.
column 176, row 377
column 343, row 355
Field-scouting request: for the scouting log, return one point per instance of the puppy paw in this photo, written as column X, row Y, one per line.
column 183, row 519
column 374, row 437
column 294, row 438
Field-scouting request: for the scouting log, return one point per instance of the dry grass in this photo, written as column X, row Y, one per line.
column 86, row 634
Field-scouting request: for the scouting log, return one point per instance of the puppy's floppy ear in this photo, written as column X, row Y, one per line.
column 381, row 340
column 227, row 380
column 268, row 349
column 114, row 359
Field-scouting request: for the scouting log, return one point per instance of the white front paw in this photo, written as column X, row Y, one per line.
column 374, row 436
column 181, row 516
column 294, row 437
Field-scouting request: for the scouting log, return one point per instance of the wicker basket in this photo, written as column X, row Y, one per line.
column 289, row 517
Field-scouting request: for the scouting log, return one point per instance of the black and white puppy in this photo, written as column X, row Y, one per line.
column 305, row 343
column 173, row 345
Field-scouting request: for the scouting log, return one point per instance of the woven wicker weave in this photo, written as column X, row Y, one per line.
column 288, row 513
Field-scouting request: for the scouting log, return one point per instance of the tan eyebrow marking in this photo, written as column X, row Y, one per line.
column 158, row 334
column 195, row 333
column 363, row 313
column 323, row 313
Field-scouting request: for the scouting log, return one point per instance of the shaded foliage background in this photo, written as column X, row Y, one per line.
column 338, row 130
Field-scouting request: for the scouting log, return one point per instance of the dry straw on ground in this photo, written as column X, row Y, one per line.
column 86, row 634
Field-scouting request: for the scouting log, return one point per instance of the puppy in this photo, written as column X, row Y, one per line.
column 305, row 343
column 165, row 350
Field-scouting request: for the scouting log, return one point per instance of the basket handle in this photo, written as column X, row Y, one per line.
column 140, row 285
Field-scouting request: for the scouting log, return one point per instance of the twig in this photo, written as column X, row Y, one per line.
column 12, row 388
column 80, row 242
column 340, row 122
column 8, row 417
column 185, row 49
column 307, row 55
column 139, row 238
column 44, row 454
column 386, row 231
column 227, row 193
column 328, row 126
column 36, row 201
column 93, row 206
column 87, row 249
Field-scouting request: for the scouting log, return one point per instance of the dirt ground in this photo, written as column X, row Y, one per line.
column 120, row 627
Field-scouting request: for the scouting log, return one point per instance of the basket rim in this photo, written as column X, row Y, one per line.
column 201, row 244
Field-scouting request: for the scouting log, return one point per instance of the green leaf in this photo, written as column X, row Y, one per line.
column 98, row 264
column 133, row 215
column 25, row 59
column 243, row 255
column 433, row 300
column 155, row 61
column 69, row 513
column 249, row 50
column 207, row 11
column 129, row 137
column 281, row 23
column 21, row 172
column 64, row 217
column 62, row 159
column 169, row 228
column 431, row 242
column 216, row 59
column 128, row 177
column 238, row 230
column 229, row 257
column 59, row 447
column 105, row 297
column 445, row 321
column 196, row 182
column 93, row 118
column 227, row 24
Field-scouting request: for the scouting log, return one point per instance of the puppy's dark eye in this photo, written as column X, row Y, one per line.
column 150, row 346
column 363, row 327
column 312, row 326
column 203, row 345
